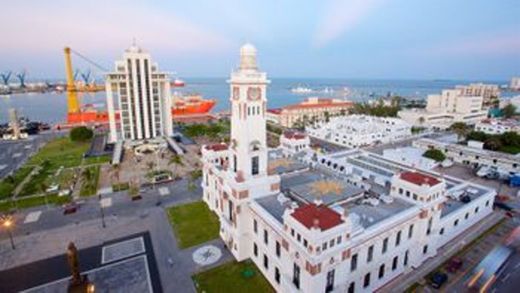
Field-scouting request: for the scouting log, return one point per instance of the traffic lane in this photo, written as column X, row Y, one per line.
column 509, row 279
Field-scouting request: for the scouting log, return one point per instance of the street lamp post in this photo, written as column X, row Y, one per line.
column 103, row 224
column 7, row 223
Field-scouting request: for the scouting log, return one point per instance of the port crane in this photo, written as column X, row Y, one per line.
column 21, row 76
column 6, row 77
column 75, row 114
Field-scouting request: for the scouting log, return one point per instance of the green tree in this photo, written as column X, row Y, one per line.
column 460, row 128
column 81, row 134
column 477, row 135
column 510, row 138
column 493, row 143
column 435, row 154
column 509, row 111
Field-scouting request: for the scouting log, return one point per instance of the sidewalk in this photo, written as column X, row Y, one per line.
column 400, row 284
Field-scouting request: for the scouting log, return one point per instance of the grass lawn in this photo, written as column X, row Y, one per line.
column 510, row 149
column 34, row 184
column 97, row 160
column 89, row 183
column 61, row 152
column 193, row 223
column 230, row 278
column 24, row 203
column 120, row 186
column 8, row 185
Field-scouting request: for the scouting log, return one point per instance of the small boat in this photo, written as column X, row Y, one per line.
column 301, row 90
column 178, row 82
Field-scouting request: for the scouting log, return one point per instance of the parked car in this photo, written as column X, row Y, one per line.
column 438, row 279
column 454, row 265
column 136, row 197
column 70, row 208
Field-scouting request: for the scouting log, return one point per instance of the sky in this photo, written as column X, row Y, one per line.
column 380, row 39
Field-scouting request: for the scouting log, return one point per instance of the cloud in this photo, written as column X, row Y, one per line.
column 488, row 44
column 340, row 17
column 102, row 27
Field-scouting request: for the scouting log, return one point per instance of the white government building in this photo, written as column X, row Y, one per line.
column 345, row 222
column 443, row 110
column 140, row 94
column 360, row 130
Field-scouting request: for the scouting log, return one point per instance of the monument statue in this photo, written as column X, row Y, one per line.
column 78, row 283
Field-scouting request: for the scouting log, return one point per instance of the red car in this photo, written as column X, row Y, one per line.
column 454, row 265
column 70, row 208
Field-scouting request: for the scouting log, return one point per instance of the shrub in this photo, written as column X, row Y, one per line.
column 435, row 154
column 81, row 133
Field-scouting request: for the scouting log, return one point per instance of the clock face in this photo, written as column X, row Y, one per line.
column 236, row 93
column 254, row 93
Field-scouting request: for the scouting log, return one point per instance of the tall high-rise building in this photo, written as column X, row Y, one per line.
column 142, row 96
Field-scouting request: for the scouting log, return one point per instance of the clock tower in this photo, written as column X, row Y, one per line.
column 248, row 151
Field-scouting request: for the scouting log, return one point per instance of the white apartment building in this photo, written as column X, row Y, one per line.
column 410, row 156
column 515, row 83
column 488, row 92
column 138, row 98
column 445, row 109
column 292, row 142
column 351, row 223
column 498, row 126
column 360, row 130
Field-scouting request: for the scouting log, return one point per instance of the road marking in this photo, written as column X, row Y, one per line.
column 28, row 146
column 163, row 191
column 106, row 202
column 2, row 167
column 32, row 217
column 17, row 155
column 506, row 277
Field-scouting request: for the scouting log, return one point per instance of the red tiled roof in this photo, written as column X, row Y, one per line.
column 275, row 111
column 419, row 178
column 293, row 135
column 217, row 147
column 311, row 215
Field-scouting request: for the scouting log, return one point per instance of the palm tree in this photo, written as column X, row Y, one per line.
column 460, row 128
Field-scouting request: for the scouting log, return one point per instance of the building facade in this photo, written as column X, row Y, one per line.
column 490, row 93
column 360, row 130
column 445, row 109
column 312, row 109
column 293, row 142
column 350, row 223
column 498, row 126
column 140, row 93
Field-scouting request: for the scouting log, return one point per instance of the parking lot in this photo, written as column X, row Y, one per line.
column 467, row 173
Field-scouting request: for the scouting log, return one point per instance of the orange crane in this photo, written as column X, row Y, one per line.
column 72, row 95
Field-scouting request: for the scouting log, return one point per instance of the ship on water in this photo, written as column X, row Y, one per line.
column 190, row 104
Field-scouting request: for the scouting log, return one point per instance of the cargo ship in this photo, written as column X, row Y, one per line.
column 191, row 104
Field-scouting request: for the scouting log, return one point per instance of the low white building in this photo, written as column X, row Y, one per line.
column 352, row 223
column 445, row 109
column 360, row 130
column 498, row 126
column 471, row 155
column 410, row 156
column 292, row 142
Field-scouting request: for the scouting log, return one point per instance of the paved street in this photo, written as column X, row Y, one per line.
column 13, row 154
column 50, row 233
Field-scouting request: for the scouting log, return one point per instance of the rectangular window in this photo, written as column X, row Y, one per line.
column 394, row 263
column 352, row 287
column 277, row 275
column 370, row 254
column 296, row 276
column 429, row 229
column 230, row 210
column 425, row 249
column 381, row 271
column 255, row 249
column 254, row 165
column 366, row 281
column 278, row 250
column 330, row 281
column 385, row 245
column 266, row 262
column 410, row 231
column 353, row 263
column 266, row 237
column 255, row 226
column 406, row 258
column 234, row 163
column 398, row 239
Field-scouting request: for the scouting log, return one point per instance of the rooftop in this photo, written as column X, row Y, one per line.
column 367, row 215
column 290, row 134
column 319, row 216
column 217, row 147
column 419, row 178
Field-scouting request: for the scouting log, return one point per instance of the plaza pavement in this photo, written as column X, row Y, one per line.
column 51, row 233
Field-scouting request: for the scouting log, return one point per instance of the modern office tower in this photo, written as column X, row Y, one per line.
column 140, row 94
